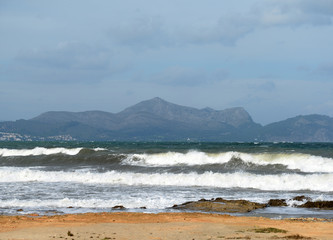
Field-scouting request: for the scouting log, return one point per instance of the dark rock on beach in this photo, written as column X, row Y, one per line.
column 220, row 205
column 325, row 205
column 118, row 207
column 308, row 203
column 283, row 202
column 277, row 203
column 242, row 206
column 301, row 198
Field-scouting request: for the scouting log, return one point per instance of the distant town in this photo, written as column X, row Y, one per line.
column 19, row 137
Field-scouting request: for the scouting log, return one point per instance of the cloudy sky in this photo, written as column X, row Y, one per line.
column 272, row 57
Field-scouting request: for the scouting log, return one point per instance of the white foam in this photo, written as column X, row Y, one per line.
column 281, row 182
column 319, row 198
column 303, row 162
column 38, row 151
column 100, row 149
column 152, row 202
column 295, row 203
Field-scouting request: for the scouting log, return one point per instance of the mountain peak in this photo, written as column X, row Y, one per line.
column 156, row 106
column 201, row 117
column 157, row 99
column 154, row 101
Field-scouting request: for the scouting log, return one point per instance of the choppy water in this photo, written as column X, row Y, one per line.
column 72, row 177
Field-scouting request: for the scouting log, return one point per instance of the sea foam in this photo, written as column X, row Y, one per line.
column 38, row 151
column 303, row 162
column 281, row 182
column 154, row 202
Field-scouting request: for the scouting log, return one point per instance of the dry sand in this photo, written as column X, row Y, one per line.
column 126, row 225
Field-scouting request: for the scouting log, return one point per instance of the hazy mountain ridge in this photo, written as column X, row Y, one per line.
column 174, row 112
column 303, row 128
column 159, row 120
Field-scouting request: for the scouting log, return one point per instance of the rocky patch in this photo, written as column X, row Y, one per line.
column 277, row 203
column 307, row 203
column 220, row 205
column 325, row 205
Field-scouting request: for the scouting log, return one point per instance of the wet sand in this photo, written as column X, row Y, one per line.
column 124, row 225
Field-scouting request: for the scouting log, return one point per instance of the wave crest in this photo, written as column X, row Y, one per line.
column 300, row 161
column 4, row 152
column 281, row 182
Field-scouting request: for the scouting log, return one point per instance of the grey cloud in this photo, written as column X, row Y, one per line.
column 248, row 100
column 181, row 76
column 227, row 30
column 66, row 55
column 324, row 70
column 324, row 7
column 154, row 31
column 265, row 86
column 220, row 75
column 230, row 28
column 68, row 62
column 144, row 31
column 283, row 13
column 294, row 13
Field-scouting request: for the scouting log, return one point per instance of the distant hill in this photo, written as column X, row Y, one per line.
column 309, row 128
column 159, row 120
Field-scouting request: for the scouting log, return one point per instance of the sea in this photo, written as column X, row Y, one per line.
column 50, row 178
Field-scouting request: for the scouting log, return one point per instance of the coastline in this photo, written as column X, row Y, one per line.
column 182, row 225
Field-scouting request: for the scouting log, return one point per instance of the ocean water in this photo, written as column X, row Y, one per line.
column 78, row 177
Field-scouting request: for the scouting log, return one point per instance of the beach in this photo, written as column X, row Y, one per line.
column 129, row 225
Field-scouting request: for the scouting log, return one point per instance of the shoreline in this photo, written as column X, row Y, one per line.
column 166, row 225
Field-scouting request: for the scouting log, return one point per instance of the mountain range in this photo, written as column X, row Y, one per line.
column 159, row 120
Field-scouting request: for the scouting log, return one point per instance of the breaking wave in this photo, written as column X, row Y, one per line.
column 300, row 161
column 4, row 152
column 281, row 182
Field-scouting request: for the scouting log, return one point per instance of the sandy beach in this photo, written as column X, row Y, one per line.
column 125, row 225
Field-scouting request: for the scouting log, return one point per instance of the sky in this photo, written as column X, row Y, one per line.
column 274, row 58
